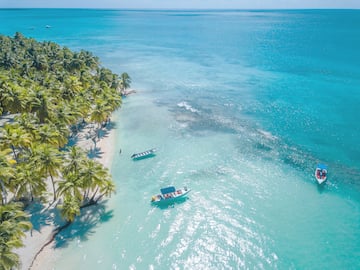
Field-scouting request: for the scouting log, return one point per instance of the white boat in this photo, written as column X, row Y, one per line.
column 321, row 173
column 169, row 195
column 145, row 154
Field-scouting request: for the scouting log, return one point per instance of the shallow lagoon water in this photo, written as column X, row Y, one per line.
column 241, row 106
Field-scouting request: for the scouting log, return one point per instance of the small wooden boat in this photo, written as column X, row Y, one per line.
column 145, row 154
column 169, row 195
column 321, row 173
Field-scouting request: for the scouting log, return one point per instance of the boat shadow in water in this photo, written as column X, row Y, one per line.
column 321, row 187
column 167, row 205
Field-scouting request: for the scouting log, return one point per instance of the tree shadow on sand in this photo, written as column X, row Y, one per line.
column 84, row 225
column 95, row 152
column 65, row 231
column 41, row 216
column 105, row 130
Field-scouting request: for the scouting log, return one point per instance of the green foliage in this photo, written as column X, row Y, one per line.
column 49, row 89
column 13, row 223
column 70, row 208
column 43, row 77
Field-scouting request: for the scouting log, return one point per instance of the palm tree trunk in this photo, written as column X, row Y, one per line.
column 53, row 185
column 3, row 190
column 54, row 234
column 93, row 196
column 99, row 198
column 13, row 150
column 86, row 194
column 31, row 194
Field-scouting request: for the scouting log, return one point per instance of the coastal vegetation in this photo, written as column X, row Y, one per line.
column 47, row 93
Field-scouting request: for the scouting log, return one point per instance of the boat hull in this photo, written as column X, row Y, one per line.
column 162, row 199
column 143, row 155
column 320, row 175
column 320, row 181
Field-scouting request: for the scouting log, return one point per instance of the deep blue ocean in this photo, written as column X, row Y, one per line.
column 241, row 106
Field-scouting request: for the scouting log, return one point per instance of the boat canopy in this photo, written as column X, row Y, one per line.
column 322, row 166
column 143, row 154
column 167, row 190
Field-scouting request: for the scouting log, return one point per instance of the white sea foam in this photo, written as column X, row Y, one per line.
column 267, row 135
column 187, row 107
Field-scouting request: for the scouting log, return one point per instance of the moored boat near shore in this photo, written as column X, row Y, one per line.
column 145, row 154
column 321, row 173
column 169, row 195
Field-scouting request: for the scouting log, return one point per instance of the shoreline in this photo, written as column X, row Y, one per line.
column 36, row 239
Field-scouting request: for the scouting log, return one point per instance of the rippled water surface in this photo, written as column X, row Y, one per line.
column 241, row 107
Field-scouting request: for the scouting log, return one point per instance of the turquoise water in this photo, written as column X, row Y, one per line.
column 241, row 106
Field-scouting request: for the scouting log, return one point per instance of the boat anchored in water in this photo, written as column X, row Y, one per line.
column 145, row 154
column 169, row 195
column 321, row 173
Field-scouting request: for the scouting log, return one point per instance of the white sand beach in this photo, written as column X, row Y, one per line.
column 36, row 238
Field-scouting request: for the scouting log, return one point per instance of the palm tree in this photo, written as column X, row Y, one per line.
column 105, row 75
column 100, row 112
column 70, row 208
column 13, row 223
column 113, row 100
column 63, row 131
column 89, row 59
column 92, row 174
column 49, row 134
column 12, row 96
column 96, row 179
column 8, row 60
column 7, row 173
column 64, row 114
column 48, row 161
column 8, row 259
column 75, row 159
column 15, row 137
column 28, row 181
column 125, row 82
column 72, row 87
column 70, row 186
column 76, row 63
column 86, row 79
column 27, row 122
column 40, row 62
column 106, row 189
column 4, row 89
column 42, row 105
